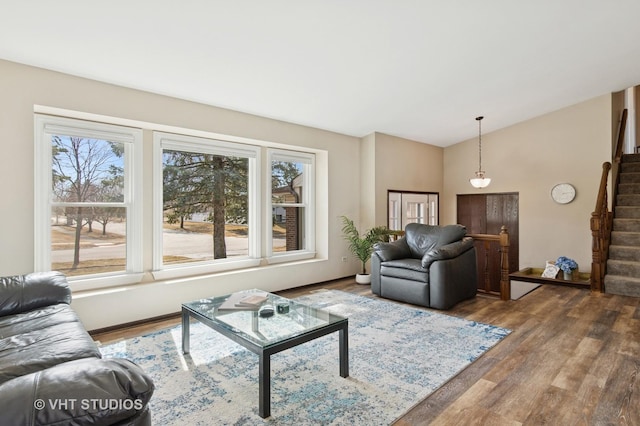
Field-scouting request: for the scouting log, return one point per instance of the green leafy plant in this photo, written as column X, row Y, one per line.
column 362, row 245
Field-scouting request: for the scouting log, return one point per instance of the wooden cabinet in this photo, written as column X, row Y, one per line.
column 486, row 214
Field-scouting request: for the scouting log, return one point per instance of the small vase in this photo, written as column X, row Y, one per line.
column 568, row 275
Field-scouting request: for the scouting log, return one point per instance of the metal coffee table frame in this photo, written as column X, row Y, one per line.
column 265, row 352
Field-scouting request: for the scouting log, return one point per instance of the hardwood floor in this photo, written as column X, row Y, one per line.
column 573, row 358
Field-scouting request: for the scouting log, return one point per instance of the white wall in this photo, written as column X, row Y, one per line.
column 22, row 87
column 568, row 145
column 367, row 181
column 402, row 165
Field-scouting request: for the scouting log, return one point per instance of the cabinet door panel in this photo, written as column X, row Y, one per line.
column 486, row 214
column 472, row 213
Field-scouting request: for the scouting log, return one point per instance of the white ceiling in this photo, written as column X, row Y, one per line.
column 419, row 69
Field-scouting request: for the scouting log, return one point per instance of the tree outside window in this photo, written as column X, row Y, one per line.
column 205, row 206
column 87, row 219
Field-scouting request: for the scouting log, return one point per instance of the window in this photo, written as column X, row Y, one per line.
column 206, row 205
column 411, row 207
column 218, row 203
column 291, row 231
column 87, row 219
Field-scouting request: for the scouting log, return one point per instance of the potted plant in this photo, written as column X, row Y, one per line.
column 567, row 266
column 361, row 245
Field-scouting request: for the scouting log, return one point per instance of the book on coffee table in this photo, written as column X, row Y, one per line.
column 243, row 301
column 252, row 301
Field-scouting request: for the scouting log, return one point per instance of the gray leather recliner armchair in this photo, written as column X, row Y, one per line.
column 432, row 266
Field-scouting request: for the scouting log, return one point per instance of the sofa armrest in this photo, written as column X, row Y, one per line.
column 448, row 251
column 21, row 293
column 398, row 249
column 86, row 391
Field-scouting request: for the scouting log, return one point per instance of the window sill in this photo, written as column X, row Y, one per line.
column 105, row 281
column 290, row 257
column 221, row 266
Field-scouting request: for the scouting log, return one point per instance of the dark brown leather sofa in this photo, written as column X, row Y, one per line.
column 51, row 371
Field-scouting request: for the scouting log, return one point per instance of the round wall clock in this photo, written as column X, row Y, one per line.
column 563, row 193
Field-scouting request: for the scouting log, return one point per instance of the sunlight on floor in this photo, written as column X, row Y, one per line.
column 201, row 350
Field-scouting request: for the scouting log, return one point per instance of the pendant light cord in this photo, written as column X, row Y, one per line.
column 479, row 142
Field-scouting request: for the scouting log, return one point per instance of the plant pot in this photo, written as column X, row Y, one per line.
column 574, row 275
column 363, row 278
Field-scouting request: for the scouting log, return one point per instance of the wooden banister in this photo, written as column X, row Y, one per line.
column 503, row 240
column 395, row 235
column 620, row 142
column 600, row 233
column 601, row 202
column 602, row 218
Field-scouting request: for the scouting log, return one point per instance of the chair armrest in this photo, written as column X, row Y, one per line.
column 448, row 251
column 86, row 391
column 398, row 249
column 21, row 293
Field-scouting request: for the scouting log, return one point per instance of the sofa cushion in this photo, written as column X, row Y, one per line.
column 21, row 293
column 423, row 238
column 36, row 340
column 97, row 392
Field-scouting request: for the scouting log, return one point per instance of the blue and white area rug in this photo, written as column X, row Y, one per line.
column 398, row 356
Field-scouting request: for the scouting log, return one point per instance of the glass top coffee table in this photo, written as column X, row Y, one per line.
column 291, row 324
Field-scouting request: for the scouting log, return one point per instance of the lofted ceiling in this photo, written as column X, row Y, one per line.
column 418, row 69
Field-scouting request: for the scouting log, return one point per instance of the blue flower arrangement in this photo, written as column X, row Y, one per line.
column 567, row 265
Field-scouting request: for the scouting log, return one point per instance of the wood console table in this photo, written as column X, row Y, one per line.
column 533, row 275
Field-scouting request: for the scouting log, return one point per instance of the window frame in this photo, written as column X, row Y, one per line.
column 142, row 207
column 179, row 142
column 47, row 126
column 307, row 203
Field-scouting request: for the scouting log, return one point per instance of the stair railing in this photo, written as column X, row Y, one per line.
column 602, row 217
column 621, row 129
column 601, row 220
column 503, row 240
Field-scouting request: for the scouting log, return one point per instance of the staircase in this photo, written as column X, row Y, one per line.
column 623, row 265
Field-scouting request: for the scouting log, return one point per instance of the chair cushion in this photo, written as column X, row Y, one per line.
column 448, row 251
column 423, row 238
column 392, row 250
column 408, row 269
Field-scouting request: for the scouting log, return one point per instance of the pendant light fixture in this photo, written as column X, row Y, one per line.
column 480, row 181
